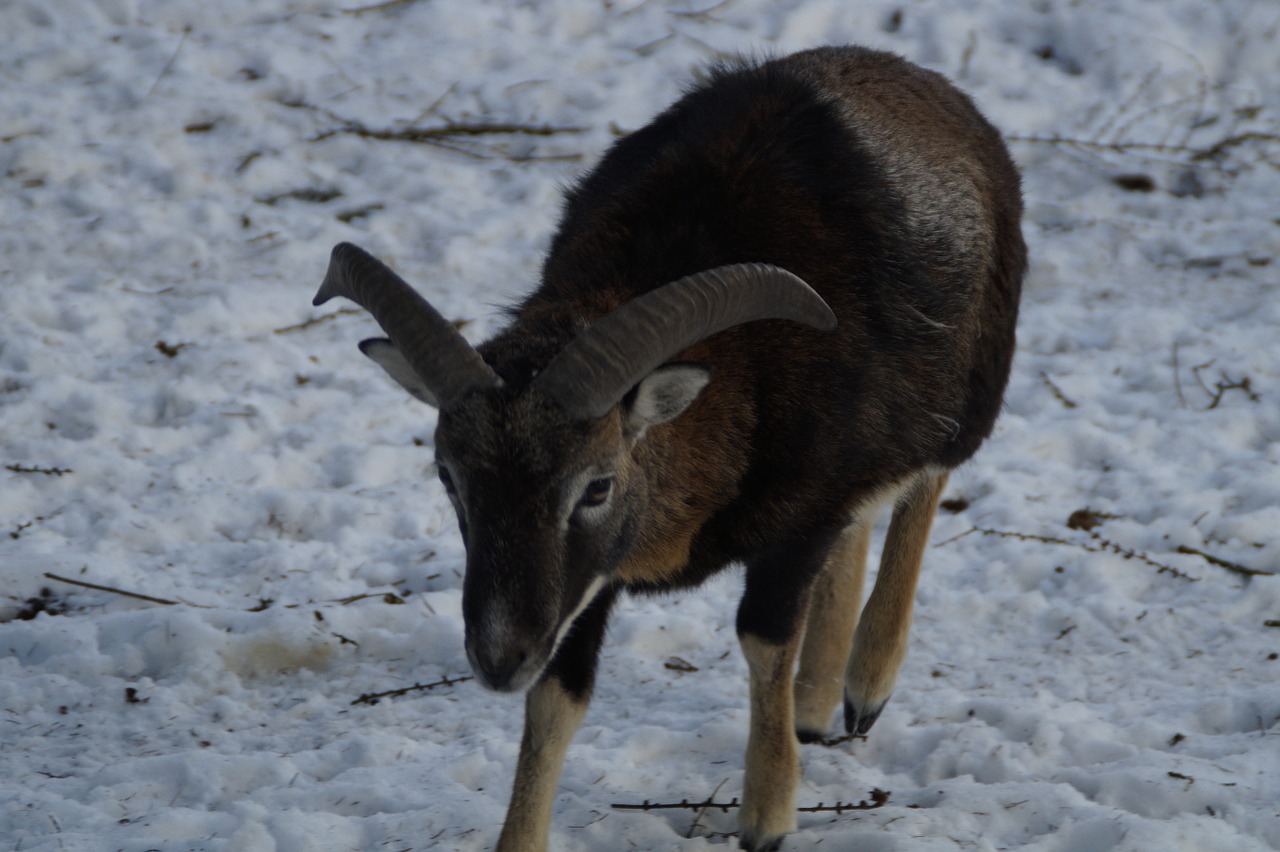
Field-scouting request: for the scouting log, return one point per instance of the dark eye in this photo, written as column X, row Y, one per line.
column 596, row 492
column 445, row 479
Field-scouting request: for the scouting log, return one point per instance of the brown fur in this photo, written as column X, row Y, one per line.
column 883, row 188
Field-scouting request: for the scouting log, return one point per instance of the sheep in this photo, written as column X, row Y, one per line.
column 841, row 233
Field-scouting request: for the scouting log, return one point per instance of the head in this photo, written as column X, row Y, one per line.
column 542, row 474
column 548, row 505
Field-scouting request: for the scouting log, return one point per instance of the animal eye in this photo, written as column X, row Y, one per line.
column 445, row 479
column 596, row 492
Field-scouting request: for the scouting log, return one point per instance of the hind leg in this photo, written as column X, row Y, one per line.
column 828, row 635
column 880, row 641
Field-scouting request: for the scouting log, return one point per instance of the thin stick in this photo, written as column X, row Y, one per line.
column 47, row 471
column 1101, row 545
column 315, row 321
column 878, row 799
column 1222, row 563
column 374, row 697
column 120, row 592
column 1057, row 391
column 186, row 31
column 376, row 7
column 447, row 130
column 1177, row 379
column 697, row 818
column 683, row 804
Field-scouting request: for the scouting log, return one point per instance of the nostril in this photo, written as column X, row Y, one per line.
column 496, row 666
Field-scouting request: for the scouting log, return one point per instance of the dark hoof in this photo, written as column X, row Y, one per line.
column 811, row 737
column 769, row 844
column 858, row 720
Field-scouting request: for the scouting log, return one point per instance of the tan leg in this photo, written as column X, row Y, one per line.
column 880, row 641
column 773, row 762
column 828, row 634
column 551, row 717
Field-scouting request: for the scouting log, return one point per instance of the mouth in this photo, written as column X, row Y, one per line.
column 515, row 668
column 514, row 672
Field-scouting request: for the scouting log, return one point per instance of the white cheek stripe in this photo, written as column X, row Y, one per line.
column 587, row 597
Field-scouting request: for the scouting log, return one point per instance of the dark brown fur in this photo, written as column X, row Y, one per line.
column 881, row 186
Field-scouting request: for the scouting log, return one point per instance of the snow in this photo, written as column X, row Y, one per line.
column 172, row 176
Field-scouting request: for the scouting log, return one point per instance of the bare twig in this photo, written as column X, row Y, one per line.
column 375, row 697
column 1228, row 384
column 700, row 14
column 683, row 804
column 446, row 136
column 697, row 819
column 1093, row 145
column 1100, row 545
column 316, row 320
column 1216, row 149
column 1190, row 152
column 878, row 799
column 385, row 597
column 121, row 592
column 376, row 7
column 1057, row 391
column 1222, row 563
column 1177, row 379
column 1127, row 104
column 447, row 130
column 170, row 350
column 186, row 31
column 47, row 471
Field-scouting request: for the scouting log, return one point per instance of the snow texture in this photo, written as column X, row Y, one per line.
column 177, row 421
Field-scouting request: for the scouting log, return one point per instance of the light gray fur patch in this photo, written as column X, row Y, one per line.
column 664, row 394
column 388, row 357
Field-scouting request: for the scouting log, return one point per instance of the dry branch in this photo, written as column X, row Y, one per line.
column 1222, row 563
column 376, row 7
column 1221, row 145
column 374, row 697
column 450, row 134
column 1191, row 153
column 121, row 592
column 447, row 131
column 316, row 320
column 1066, row 401
column 47, row 471
column 1100, row 545
column 878, row 799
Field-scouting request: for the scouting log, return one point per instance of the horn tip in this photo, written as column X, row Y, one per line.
column 828, row 322
column 328, row 288
column 339, row 259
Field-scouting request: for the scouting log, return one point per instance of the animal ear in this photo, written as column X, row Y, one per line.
column 663, row 395
column 389, row 357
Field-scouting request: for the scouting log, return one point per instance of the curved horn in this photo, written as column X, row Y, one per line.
column 441, row 357
column 604, row 362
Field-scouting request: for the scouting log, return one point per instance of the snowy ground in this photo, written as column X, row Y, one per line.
column 177, row 421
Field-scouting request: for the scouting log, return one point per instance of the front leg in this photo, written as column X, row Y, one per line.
column 773, row 761
column 770, row 630
column 551, row 716
column 554, row 708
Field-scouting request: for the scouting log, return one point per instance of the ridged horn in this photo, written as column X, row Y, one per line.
column 598, row 368
column 442, row 358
